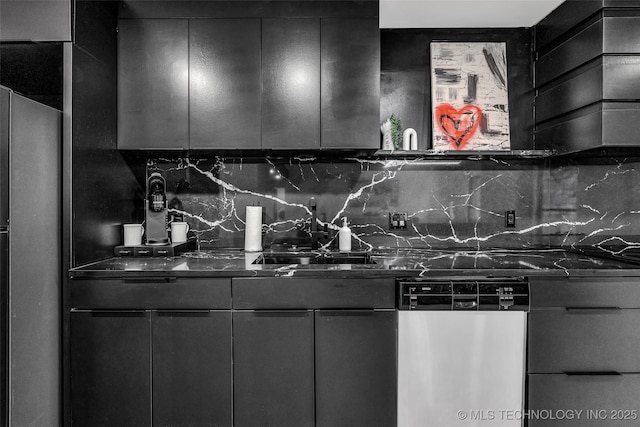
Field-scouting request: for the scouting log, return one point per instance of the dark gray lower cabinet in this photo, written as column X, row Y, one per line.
column 355, row 362
column 273, row 368
column 151, row 368
column 110, row 375
column 583, row 352
column 191, row 368
column 584, row 340
column 584, row 400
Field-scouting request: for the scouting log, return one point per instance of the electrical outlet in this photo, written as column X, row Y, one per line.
column 398, row 221
column 510, row 219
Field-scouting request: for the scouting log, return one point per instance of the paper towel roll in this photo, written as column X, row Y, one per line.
column 253, row 229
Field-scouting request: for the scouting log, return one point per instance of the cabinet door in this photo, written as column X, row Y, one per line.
column 584, row 340
column 273, row 368
column 110, row 375
column 583, row 400
column 224, row 83
column 355, row 368
column 291, row 83
column 153, row 84
column 35, row 21
column 191, row 368
column 350, row 83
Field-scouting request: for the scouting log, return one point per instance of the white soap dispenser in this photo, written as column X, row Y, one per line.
column 344, row 236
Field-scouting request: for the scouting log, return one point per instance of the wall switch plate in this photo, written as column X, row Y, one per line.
column 398, row 221
column 510, row 219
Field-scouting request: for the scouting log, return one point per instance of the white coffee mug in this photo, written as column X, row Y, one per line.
column 133, row 234
column 179, row 232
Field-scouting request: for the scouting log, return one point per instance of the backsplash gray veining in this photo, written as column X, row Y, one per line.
column 450, row 203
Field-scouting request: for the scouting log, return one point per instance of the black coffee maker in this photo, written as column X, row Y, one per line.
column 156, row 211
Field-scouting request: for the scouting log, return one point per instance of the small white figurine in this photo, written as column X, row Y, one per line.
column 387, row 141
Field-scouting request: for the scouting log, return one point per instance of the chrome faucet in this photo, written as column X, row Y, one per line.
column 317, row 236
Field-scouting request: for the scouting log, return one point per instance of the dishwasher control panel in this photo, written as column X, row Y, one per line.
column 479, row 294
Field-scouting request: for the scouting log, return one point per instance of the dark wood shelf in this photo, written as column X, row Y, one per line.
column 471, row 155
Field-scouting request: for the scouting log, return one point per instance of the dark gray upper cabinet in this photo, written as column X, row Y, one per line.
column 350, row 83
column 191, row 368
column 153, row 84
column 586, row 67
column 298, row 81
column 35, row 20
column 291, row 83
column 224, row 83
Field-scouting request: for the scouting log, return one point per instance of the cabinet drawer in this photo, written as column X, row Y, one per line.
column 584, row 340
column 288, row 293
column 605, row 400
column 608, row 78
column 609, row 35
column 623, row 292
column 151, row 293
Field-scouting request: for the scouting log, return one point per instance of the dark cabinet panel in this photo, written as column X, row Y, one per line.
column 583, row 89
column 249, row 9
column 579, row 49
column 291, row 83
column 620, row 33
column 191, row 368
column 605, row 400
column 566, row 16
column 153, row 84
column 622, row 292
column 291, row 293
column 224, row 83
column 273, row 368
column 35, row 20
column 151, row 293
column 598, row 125
column 110, row 375
column 584, row 340
column 355, row 368
column 609, row 35
column 350, row 76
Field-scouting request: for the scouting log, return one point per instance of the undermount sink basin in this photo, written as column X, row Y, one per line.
column 314, row 258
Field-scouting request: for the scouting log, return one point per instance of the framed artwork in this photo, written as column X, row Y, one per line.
column 469, row 96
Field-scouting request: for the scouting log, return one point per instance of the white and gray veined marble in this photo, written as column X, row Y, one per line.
column 457, row 203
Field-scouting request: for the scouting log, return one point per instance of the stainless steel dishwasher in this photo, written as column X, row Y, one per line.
column 461, row 351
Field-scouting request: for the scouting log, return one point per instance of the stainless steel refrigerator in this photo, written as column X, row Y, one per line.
column 30, row 261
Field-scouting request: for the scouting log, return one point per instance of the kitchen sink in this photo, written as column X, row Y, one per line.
column 315, row 258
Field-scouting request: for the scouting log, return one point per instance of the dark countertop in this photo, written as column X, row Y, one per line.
column 388, row 262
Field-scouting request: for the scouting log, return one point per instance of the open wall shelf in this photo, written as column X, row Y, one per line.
column 460, row 155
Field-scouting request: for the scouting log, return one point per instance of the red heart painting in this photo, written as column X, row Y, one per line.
column 458, row 125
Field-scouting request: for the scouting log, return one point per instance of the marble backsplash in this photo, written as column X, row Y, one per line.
column 450, row 203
